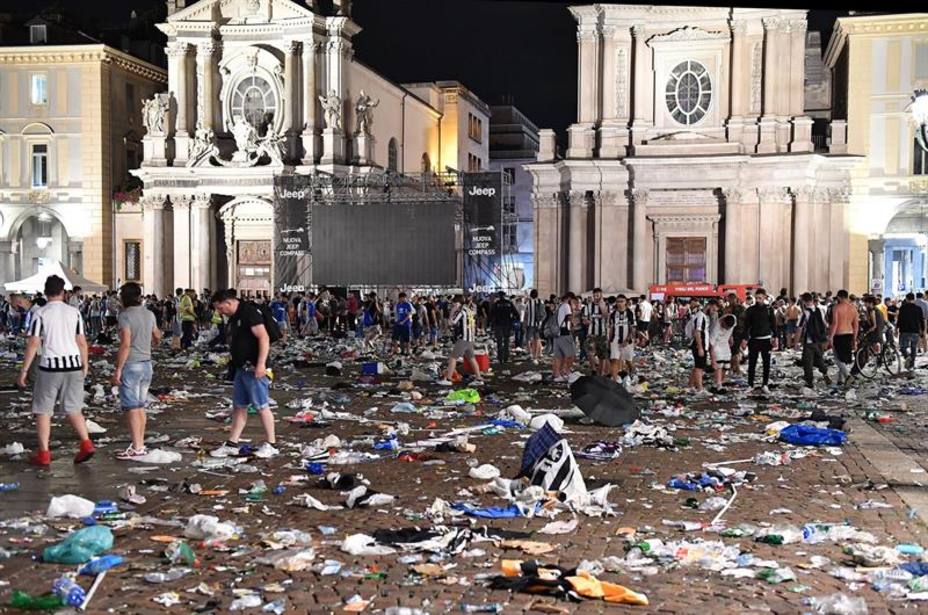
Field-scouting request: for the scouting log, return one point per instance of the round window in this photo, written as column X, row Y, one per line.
column 254, row 100
column 688, row 92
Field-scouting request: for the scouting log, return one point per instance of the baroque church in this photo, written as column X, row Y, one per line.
column 692, row 159
column 257, row 88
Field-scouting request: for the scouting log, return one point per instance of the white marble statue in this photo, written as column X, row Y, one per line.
column 332, row 105
column 364, row 113
column 154, row 111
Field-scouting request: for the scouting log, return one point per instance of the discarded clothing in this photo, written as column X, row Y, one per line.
column 808, row 435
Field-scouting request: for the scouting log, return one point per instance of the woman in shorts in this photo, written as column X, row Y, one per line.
column 720, row 349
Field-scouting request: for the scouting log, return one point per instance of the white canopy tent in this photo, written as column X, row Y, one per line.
column 36, row 283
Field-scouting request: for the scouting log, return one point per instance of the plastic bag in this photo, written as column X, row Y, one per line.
column 80, row 546
column 72, row 506
column 807, row 435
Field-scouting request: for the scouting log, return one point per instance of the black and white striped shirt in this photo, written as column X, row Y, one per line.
column 623, row 322
column 58, row 324
column 598, row 315
column 464, row 325
column 534, row 313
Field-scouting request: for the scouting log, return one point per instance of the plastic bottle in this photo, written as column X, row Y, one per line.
column 68, row 591
column 164, row 577
column 838, row 604
column 814, row 533
column 403, row 610
column 179, row 552
column 781, row 535
column 776, row 575
column 4, row 487
column 26, row 602
column 651, row 545
column 494, row 607
column 98, row 565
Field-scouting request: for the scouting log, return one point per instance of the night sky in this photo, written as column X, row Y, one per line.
column 525, row 49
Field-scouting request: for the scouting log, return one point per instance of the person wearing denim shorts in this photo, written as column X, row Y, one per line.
column 138, row 330
column 250, row 348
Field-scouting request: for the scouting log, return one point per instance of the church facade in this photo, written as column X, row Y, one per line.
column 257, row 88
column 692, row 158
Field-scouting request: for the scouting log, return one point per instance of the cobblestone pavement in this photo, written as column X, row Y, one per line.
column 821, row 487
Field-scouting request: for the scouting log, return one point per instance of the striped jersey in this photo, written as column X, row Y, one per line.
column 464, row 324
column 58, row 324
column 623, row 323
column 534, row 313
column 598, row 315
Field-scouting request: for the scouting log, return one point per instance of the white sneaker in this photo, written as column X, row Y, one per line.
column 765, row 390
column 130, row 453
column 226, row 450
column 560, row 379
column 808, row 392
column 266, row 451
column 444, row 383
column 534, row 361
column 478, row 382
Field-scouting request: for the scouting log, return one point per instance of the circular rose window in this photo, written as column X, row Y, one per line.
column 688, row 92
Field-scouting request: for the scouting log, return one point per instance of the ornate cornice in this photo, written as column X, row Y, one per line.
column 688, row 33
column 78, row 54
column 771, row 23
column 638, row 195
column 770, row 194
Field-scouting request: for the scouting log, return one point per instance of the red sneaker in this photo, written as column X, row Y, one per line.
column 85, row 452
column 41, row 458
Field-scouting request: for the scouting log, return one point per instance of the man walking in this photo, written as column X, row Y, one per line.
column 597, row 349
column 845, row 324
column 532, row 318
column 911, row 323
column 813, row 332
column 250, row 349
column 622, row 341
column 59, row 330
column 760, row 330
column 502, row 315
column 564, row 348
column 138, row 330
column 644, row 319
column 463, row 332
column 402, row 330
column 697, row 330
column 188, row 317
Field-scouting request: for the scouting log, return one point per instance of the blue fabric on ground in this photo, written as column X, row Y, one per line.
column 537, row 447
column 489, row 512
column 808, row 435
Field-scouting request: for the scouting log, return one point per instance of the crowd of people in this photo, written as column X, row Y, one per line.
column 606, row 334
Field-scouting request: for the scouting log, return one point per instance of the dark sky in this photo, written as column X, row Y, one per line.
column 520, row 48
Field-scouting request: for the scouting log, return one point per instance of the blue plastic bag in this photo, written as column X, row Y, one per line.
column 490, row 512
column 809, row 435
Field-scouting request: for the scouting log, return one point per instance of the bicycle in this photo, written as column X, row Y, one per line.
column 871, row 357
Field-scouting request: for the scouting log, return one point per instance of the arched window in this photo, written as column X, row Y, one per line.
column 392, row 155
column 426, row 164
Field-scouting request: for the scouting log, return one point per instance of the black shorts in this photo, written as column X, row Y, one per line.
column 699, row 362
column 111, row 321
column 844, row 348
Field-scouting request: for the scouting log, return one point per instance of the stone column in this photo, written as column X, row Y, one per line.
column 772, row 232
column 310, row 101
column 641, row 244
column 739, row 84
column 153, row 239
column 178, row 80
column 803, row 225
column 588, row 73
column 877, row 249
column 182, row 241
column 201, row 241
column 837, row 274
column 577, row 243
column 613, row 238
column 549, row 243
column 613, row 139
column 206, row 71
column 643, row 81
column 801, row 140
column 767, row 142
column 733, row 232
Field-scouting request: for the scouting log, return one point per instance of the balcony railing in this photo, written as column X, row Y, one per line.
column 820, row 143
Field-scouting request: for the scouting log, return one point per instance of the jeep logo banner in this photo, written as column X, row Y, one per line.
column 291, row 233
column 483, row 220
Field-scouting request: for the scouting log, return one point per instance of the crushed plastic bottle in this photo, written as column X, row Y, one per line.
column 166, row 577
column 404, row 610
column 494, row 607
column 776, row 575
column 837, row 604
column 179, row 552
column 780, row 535
column 100, row 564
column 68, row 591
column 250, row 601
column 4, row 487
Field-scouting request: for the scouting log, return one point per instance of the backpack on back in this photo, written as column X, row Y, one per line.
column 550, row 328
column 270, row 323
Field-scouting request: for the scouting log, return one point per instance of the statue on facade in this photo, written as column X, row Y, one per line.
column 273, row 146
column 332, row 106
column 154, row 111
column 364, row 113
column 203, row 147
column 246, row 139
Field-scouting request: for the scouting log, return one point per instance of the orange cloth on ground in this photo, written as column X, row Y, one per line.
column 591, row 587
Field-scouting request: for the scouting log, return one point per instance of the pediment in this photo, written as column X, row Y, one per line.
column 241, row 11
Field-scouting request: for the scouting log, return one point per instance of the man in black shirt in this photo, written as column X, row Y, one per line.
column 502, row 314
column 760, row 327
column 911, row 323
column 249, row 348
column 814, row 334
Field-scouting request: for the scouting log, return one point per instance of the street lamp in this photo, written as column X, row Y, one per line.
column 919, row 109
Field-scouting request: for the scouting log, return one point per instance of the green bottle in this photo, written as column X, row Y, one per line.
column 26, row 602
